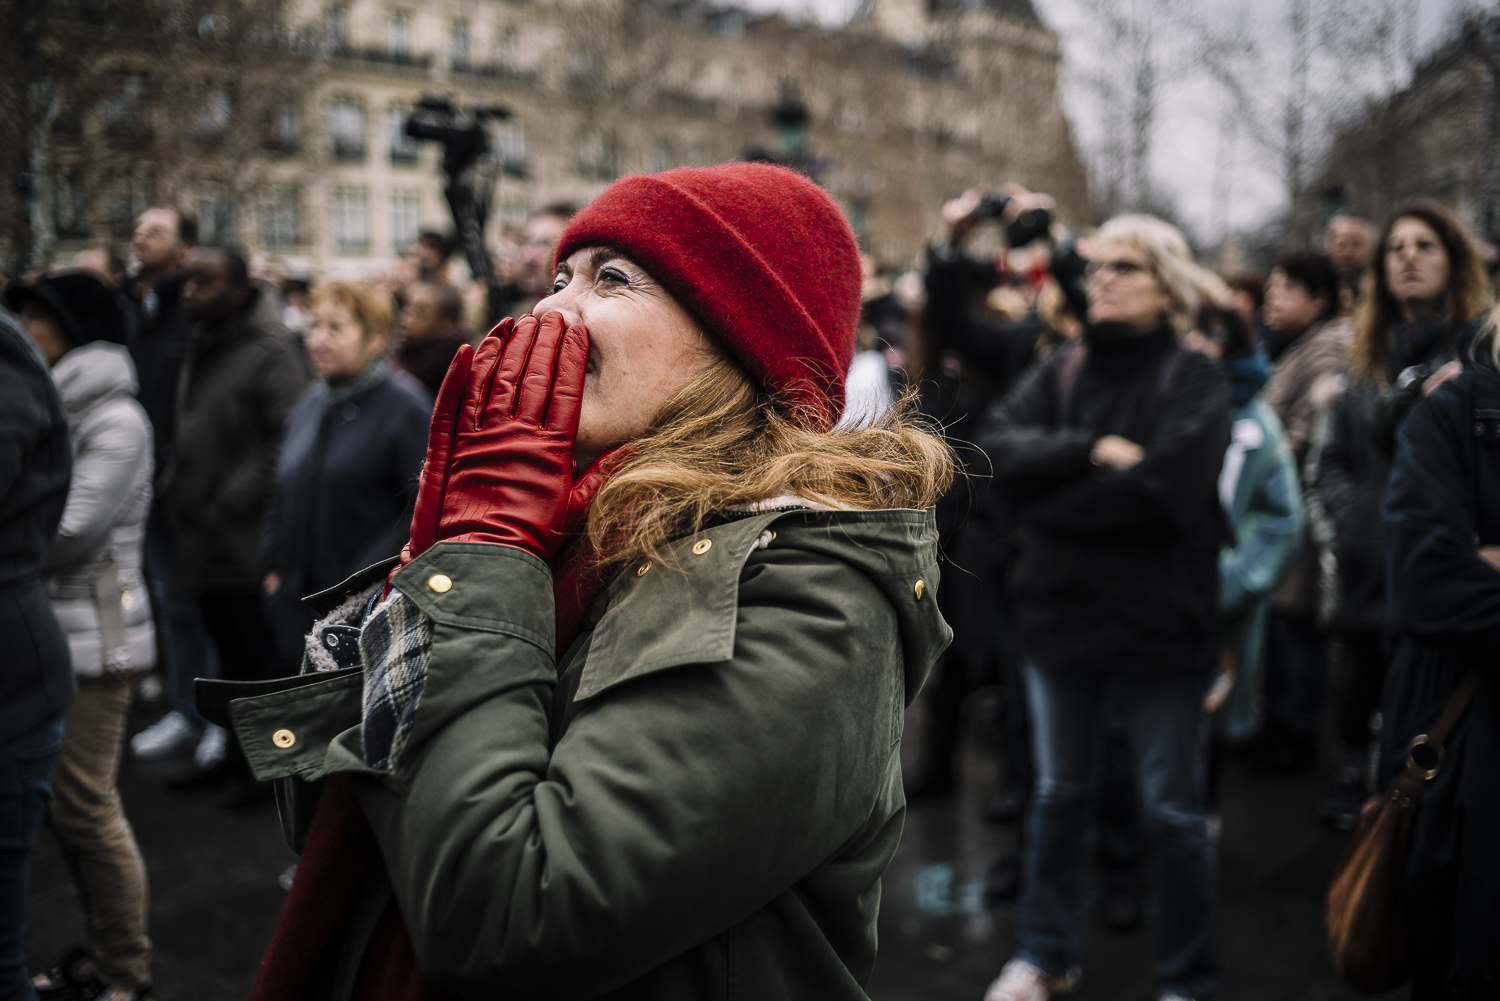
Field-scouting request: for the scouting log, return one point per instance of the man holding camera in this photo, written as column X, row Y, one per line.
column 967, row 356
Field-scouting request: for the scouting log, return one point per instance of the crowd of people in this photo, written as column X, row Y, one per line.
column 1190, row 509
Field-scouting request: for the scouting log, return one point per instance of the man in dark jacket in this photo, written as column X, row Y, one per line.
column 1110, row 452
column 160, row 325
column 239, row 381
column 432, row 331
column 36, row 680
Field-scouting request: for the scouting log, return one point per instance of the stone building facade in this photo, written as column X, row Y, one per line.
column 1439, row 137
column 906, row 105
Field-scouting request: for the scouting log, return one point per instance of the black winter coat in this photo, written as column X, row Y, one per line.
column 345, row 485
column 972, row 359
column 36, row 465
column 160, row 328
column 1115, row 570
column 1442, row 505
column 238, row 384
column 1356, row 463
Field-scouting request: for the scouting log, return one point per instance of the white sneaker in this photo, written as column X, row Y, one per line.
column 210, row 747
column 172, row 734
column 1020, row 981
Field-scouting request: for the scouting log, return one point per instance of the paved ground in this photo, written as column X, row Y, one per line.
column 215, row 897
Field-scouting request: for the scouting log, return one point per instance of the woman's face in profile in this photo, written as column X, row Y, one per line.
column 643, row 345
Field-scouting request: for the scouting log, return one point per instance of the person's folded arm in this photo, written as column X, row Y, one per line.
column 1165, row 490
column 674, row 806
column 1021, row 435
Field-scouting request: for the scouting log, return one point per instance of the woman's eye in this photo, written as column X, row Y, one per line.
column 559, row 283
column 613, row 275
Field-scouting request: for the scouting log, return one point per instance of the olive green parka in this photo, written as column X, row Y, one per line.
column 696, row 800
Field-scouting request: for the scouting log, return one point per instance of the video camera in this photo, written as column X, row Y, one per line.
column 461, row 132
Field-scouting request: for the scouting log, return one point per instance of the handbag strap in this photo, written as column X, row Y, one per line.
column 1425, row 756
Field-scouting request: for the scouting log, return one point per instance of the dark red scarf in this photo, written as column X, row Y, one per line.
column 340, row 851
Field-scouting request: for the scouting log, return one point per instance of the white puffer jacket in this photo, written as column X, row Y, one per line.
column 95, row 561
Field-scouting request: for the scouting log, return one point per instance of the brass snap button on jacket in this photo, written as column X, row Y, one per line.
column 920, row 589
column 641, row 572
column 440, row 582
column 283, row 738
column 702, row 546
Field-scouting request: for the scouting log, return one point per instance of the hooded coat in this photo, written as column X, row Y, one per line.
column 695, row 800
column 93, row 576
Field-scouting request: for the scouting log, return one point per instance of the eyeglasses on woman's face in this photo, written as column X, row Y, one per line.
column 1119, row 268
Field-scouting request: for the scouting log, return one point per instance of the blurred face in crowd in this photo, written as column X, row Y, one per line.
column 42, row 326
column 209, row 292
column 1348, row 244
column 538, row 242
column 1289, row 309
column 429, row 257
column 644, row 346
column 420, row 318
column 155, row 244
column 1244, row 304
column 1123, row 288
column 338, row 345
column 1416, row 265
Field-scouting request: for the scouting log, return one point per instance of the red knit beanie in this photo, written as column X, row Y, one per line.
column 759, row 254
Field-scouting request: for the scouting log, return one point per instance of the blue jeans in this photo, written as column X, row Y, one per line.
column 185, row 644
column 25, row 786
column 1163, row 723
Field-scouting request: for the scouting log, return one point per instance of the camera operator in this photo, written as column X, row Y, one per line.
column 968, row 356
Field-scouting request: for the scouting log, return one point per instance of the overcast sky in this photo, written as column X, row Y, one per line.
column 1193, row 156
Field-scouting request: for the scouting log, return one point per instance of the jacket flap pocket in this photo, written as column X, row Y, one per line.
column 676, row 611
column 211, row 696
column 288, row 733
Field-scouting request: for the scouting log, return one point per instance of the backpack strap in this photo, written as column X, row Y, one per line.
column 1067, row 376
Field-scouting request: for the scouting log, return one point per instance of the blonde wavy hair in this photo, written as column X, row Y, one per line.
column 723, row 443
column 1170, row 258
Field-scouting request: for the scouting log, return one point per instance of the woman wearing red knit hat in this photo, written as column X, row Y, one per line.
column 625, row 720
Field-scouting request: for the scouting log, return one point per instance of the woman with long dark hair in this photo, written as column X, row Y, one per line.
column 1422, row 305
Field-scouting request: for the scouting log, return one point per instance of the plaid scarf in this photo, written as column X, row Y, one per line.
column 340, row 852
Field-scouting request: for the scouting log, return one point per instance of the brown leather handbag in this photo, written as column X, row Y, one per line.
column 1367, row 919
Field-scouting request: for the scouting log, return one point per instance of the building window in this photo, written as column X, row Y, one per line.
column 128, row 106
column 284, row 130
column 510, row 147
column 406, row 220
column 215, row 220
column 597, row 156
column 402, row 147
column 458, row 44
column 398, row 34
column 280, row 220
column 346, row 129
column 338, row 27
column 351, row 219
column 214, row 115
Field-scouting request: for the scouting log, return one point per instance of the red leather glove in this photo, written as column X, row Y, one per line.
column 499, row 465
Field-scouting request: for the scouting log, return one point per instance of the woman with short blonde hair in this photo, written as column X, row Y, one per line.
column 346, row 475
column 1109, row 453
